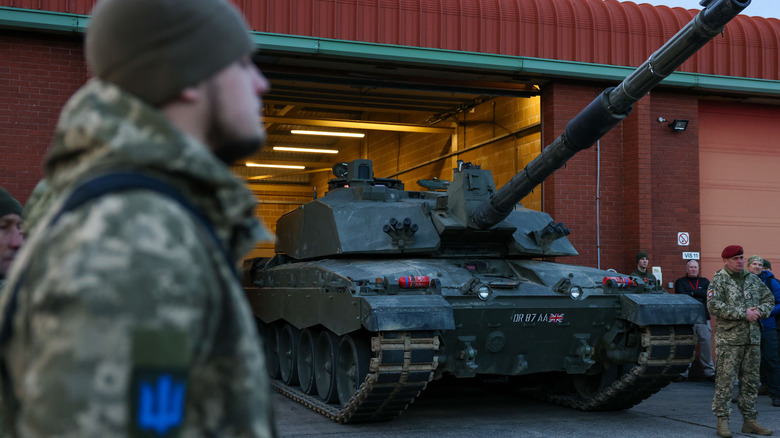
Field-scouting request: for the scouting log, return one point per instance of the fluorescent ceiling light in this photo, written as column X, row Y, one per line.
column 330, row 133
column 275, row 166
column 312, row 150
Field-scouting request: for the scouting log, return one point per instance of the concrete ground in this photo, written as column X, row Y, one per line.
column 466, row 409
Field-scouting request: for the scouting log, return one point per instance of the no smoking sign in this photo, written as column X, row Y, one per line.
column 683, row 239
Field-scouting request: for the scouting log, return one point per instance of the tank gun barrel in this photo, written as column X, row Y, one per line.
column 609, row 108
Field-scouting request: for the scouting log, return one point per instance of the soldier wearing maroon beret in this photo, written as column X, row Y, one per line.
column 731, row 251
column 737, row 299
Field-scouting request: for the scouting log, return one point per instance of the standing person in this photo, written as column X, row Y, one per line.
column 693, row 285
column 123, row 315
column 642, row 260
column 770, row 363
column 11, row 235
column 737, row 299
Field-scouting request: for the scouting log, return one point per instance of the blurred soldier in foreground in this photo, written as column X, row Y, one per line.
column 11, row 236
column 123, row 316
column 738, row 299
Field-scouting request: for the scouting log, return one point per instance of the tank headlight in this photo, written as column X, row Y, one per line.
column 575, row 292
column 484, row 292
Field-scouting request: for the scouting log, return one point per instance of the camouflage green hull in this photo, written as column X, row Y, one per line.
column 375, row 290
column 607, row 349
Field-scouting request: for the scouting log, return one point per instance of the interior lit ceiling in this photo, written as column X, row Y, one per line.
column 334, row 94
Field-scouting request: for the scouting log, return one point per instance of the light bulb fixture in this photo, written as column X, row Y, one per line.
column 329, row 133
column 275, row 166
column 679, row 125
column 309, row 150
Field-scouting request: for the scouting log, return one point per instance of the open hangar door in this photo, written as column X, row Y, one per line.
column 739, row 151
column 416, row 122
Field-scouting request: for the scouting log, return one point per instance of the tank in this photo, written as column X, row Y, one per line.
column 376, row 290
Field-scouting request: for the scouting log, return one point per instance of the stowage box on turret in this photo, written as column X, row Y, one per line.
column 376, row 290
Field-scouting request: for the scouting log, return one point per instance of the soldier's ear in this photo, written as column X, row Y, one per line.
column 190, row 94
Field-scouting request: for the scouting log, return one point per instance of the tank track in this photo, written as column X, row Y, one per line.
column 666, row 352
column 401, row 366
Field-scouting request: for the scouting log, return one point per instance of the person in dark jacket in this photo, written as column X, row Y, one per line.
column 693, row 285
column 770, row 363
column 641, row 271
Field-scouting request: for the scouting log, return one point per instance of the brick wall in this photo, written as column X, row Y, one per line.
column 38, row 73
column 570, row 192
column 675, row 181
column 649, row 181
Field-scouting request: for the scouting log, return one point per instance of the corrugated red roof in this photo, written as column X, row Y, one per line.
column 592, row 31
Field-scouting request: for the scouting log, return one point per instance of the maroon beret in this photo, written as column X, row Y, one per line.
column 731, row 251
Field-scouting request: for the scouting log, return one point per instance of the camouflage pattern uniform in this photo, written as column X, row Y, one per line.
column 39, row 201
column 131, row 283
column 737, row 341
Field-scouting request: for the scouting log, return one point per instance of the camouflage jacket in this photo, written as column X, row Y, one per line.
column 128, row 312
column 728, row 302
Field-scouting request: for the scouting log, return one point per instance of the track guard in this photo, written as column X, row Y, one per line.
column 661, row 309
column 414, row 312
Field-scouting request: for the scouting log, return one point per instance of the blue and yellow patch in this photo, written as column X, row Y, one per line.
column 157, row 402
column 158, row 386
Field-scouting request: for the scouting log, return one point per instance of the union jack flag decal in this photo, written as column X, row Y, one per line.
column 556, row 317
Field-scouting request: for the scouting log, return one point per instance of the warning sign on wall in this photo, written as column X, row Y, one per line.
column 683, row 239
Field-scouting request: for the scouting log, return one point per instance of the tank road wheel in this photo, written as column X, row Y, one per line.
column 287, row 341
column 305, row 361
column 271, row 350
column 351, row 366
column 325, row 358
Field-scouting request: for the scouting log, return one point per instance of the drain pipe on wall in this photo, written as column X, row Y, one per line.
column 598, row 200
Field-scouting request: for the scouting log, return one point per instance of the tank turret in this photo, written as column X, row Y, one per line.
column 376, row 290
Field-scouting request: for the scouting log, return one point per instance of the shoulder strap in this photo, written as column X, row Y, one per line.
column 121, row 181
column 95, row 188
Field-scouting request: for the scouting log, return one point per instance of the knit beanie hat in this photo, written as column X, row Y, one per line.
column 767, row 265
column 641, row 255
column 153, row 49
column 8, row 204
column 755, row 258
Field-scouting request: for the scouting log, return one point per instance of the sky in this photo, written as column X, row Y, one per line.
column 760, row 8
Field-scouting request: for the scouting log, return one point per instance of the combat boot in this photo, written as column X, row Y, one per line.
column 724, row 431
column 752, row 426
